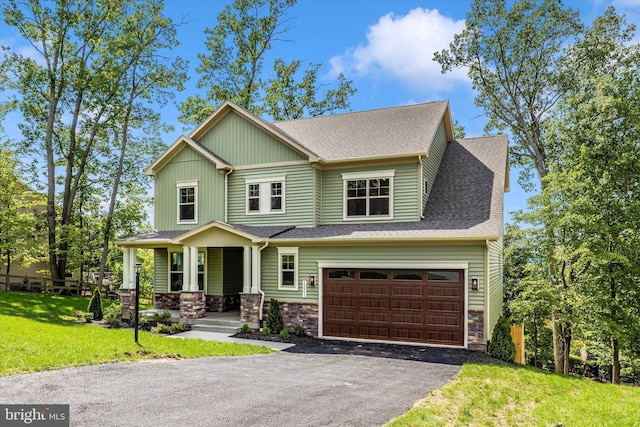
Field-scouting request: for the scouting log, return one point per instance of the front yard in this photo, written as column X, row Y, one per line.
column 35, row 336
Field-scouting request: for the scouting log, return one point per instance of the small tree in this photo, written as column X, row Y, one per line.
column 95, row 304
column 275, row 322
column 501, row 345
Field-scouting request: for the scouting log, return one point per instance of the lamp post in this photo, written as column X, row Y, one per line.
column 137, row 306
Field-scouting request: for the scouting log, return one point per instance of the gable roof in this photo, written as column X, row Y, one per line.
column 180, row 144
column 382, row 133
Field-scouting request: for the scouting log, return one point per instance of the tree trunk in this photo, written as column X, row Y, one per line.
column 615, row 368
column 558, row 348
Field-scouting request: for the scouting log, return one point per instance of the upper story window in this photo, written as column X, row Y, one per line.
column 187, row 202
column 368, row 195
column 265, row 195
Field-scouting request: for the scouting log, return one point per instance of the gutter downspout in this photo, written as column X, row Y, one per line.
column 226, row 194
column 260, row 283
column 421, row 187
column 487, row 277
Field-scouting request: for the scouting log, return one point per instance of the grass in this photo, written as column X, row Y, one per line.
column 35, row 336
column 498, row 395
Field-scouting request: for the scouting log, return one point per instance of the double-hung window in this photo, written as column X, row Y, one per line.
column 368, row 195
column 288, row 268
column 265, row 195
column 187, row 202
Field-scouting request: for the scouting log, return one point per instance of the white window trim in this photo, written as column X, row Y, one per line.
column 390, row 174
column 265, row 195
column 179, row 186
column 288, row 251
column 204, row 281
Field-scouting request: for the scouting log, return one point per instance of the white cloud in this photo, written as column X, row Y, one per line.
column 402, row 48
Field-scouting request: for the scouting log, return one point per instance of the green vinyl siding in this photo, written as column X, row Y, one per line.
column 214, row 271
column 161, row 270
column 405, row 196
column 240, row 143
column 298, row 197
column 188, row 166
column 310, row 255
column 431, row 163
column 496, row 287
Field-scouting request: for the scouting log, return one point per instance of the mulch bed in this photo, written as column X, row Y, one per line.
column 311, row 345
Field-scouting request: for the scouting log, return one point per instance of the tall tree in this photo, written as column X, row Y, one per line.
column 515, row 61
column 233, row 69
column 71, row 97
column 597, row 173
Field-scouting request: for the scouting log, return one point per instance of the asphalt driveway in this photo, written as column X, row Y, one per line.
column 280, row 389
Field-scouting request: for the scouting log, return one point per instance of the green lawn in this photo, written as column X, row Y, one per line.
column 495, row 395
column 35, row 336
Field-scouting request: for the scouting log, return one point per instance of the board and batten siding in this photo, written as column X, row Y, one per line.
column 188, row 166
column 309, row 256
column 405, row 193
column 496, row 287
column 298, row 198
column 161, row 270
column 431, row 164
column 240, row 143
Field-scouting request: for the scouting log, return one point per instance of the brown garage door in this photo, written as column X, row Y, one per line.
column 424, row 306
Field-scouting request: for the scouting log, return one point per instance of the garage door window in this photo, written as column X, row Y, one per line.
column 407, row 275
column 451, row 276
column 374, row 275
column 342, row 274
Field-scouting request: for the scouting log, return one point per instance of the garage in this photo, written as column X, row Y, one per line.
column 419, row 306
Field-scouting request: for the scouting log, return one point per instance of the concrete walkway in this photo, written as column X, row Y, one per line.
column 217, row 336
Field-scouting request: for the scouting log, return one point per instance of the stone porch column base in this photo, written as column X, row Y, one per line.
column 128, row 301
column 250, row 308
column 192, row 305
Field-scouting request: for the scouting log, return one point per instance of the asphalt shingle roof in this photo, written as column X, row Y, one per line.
column 384, row 132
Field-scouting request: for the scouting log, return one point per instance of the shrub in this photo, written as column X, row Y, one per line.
column 265, row 330
column 300, row 331
column 113, row 315
column 171, row 329
column 83, row 316
column 95, row 304
column 245, row 328
column 275, row 322
column 284, row 334
column 501, row 345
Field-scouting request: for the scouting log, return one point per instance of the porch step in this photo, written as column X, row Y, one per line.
column 225, row 329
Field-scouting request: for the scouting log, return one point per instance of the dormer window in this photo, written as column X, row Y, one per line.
column 265, row 195
column 187, row 202
column 368, row 195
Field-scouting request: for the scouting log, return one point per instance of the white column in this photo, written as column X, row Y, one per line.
column 246, row 270
column 186, row 265
column 126, row 268
column 255, row 269
column 133, row 257
column 193, row 268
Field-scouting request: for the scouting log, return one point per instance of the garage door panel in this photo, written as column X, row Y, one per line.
column 407, row 306
column 412, row 290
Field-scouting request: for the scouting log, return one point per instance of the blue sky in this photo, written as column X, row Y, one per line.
column 384, row 46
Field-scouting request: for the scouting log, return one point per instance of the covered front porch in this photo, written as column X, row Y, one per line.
column 212, row 268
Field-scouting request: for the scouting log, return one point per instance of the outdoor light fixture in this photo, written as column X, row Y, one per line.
column 474, row 283
column 312, row 279
column 137, row 307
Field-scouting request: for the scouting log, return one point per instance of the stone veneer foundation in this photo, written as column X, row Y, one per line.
column 294, row 313
column 220, row 303
column 192, row 305
column 476, row 340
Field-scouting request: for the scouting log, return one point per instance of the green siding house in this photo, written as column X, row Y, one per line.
column 373, row 225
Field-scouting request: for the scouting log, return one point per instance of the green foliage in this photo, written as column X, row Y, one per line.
column 265, row 330
column 95, row 304
column 501, row 345
column 233, row 68
column 284, row 334
column 113, row 314
column 155, row 319
column 246, row 328
column 83, row 316
column 275, row 321
column 300, row 331
column 173, row 328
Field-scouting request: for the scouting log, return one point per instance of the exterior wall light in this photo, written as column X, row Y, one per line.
column 474, row 283
column 312, row 279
